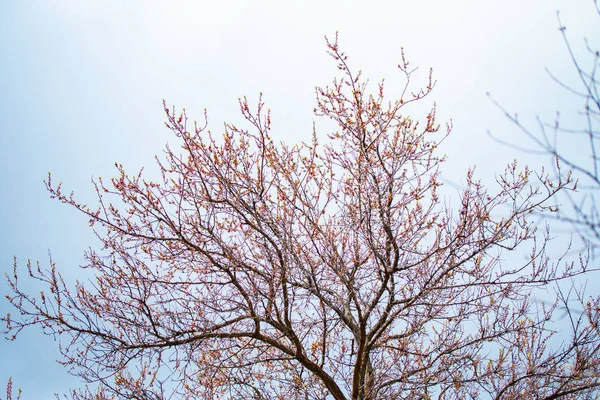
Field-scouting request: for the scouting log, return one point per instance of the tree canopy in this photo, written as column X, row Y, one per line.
column 331, row 269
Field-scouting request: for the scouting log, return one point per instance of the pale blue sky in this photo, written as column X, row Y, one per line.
column 81, row 86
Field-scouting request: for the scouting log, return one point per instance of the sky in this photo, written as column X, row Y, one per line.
column 82, row 85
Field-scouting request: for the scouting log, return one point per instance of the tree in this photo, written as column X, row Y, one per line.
column 574, row 146
column 260, row 270
column 9, row 391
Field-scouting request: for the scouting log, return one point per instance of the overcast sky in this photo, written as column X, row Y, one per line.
column 82, row 83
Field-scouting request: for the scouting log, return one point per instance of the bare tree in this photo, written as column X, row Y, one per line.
column 558, row 140
column 316, row 271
